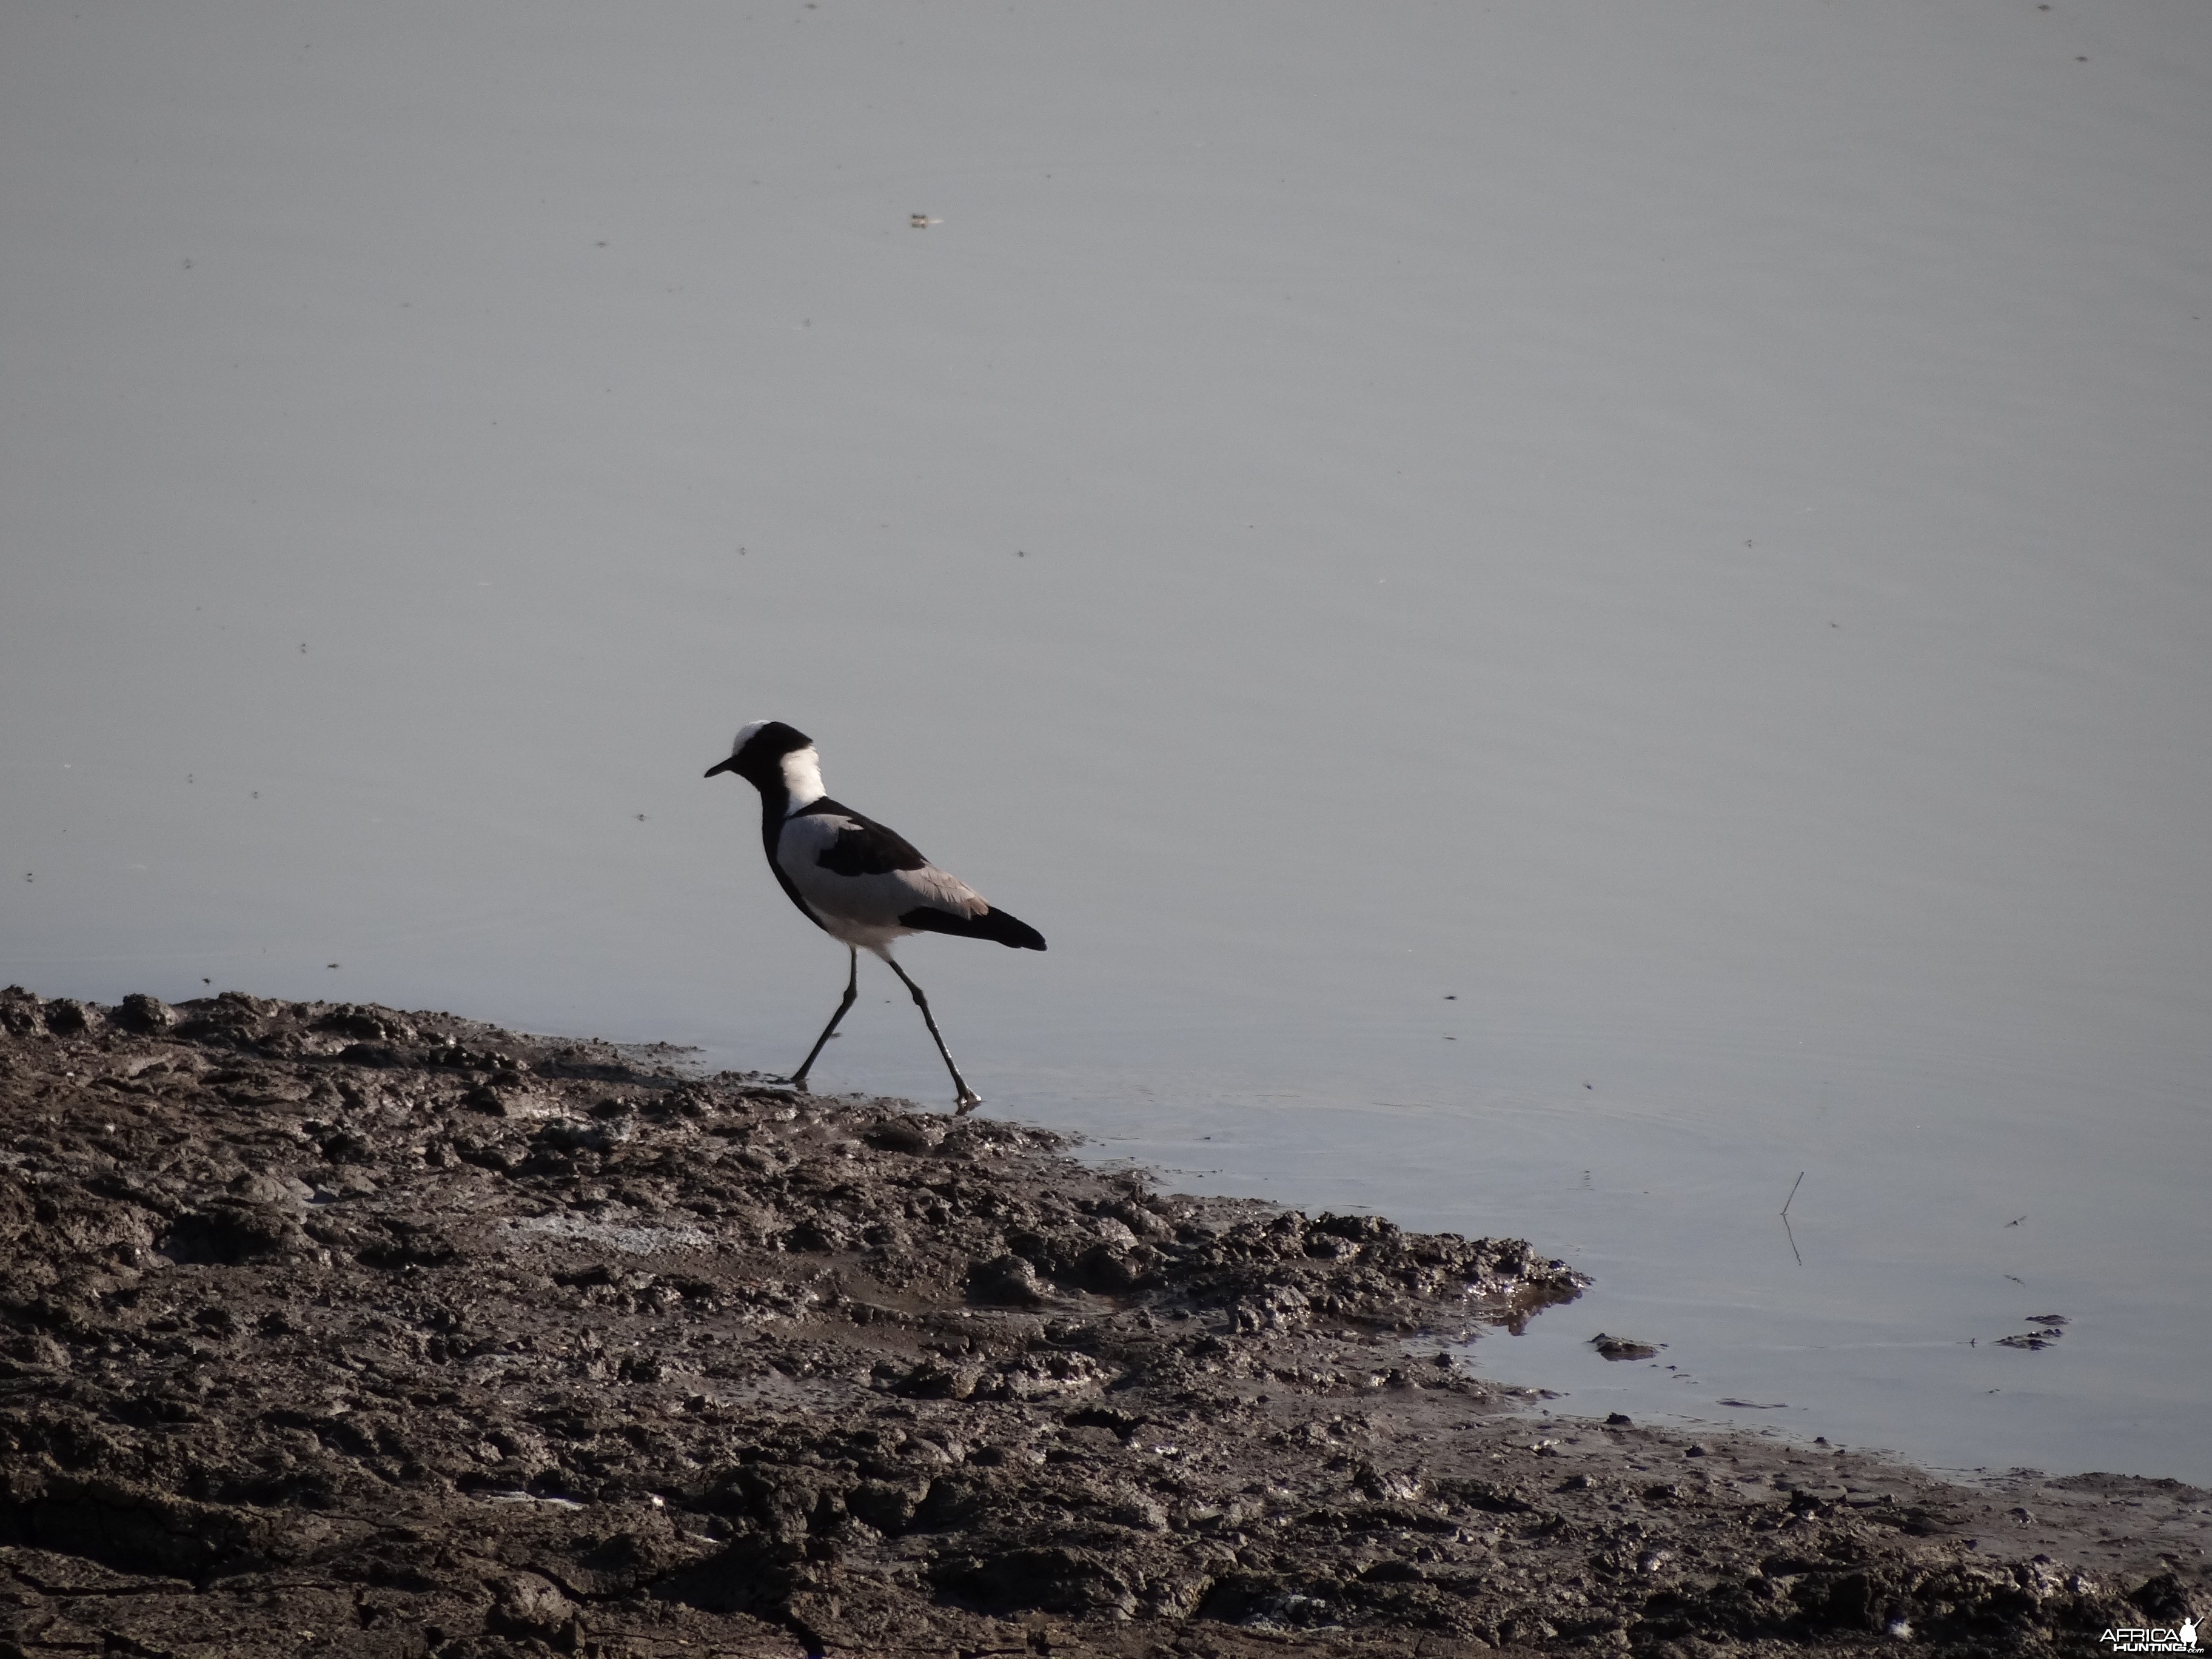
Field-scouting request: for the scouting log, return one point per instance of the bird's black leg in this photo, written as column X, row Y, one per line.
column 968, row 1098
column 852, row 991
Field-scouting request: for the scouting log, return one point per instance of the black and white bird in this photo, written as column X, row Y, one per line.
column 856, row 880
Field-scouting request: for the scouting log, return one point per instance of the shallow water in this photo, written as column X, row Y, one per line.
column 1561, row 613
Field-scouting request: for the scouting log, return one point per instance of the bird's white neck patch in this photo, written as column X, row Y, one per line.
column 802, row 778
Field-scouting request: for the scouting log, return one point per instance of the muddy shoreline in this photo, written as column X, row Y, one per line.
column 333, row 1330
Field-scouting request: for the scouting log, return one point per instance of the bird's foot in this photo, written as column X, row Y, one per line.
column 969, row 1100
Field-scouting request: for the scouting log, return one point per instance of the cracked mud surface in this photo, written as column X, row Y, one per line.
column 335, row 1330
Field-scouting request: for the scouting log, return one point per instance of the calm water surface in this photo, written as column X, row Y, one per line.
column 1561, row 613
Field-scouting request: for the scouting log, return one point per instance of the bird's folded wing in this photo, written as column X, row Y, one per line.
column 852, row 868
column 849, row 843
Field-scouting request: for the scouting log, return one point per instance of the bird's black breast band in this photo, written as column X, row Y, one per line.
column 772, row 818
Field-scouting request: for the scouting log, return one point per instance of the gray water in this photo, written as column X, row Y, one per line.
column 1562, row 612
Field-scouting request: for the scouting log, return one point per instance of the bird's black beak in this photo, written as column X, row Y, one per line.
column 723, row 766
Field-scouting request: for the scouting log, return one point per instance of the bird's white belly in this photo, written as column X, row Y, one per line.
column 867, row 937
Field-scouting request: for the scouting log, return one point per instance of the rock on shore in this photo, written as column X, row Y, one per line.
column 331, row 1329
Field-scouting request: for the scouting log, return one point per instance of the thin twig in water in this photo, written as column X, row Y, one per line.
column 1788, row 1231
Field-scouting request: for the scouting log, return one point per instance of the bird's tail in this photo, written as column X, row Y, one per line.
column 1010, row 931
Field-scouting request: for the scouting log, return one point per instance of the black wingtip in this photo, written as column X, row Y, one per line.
column 1010, row 931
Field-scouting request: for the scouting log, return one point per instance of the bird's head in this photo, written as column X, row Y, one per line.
column 769, row 755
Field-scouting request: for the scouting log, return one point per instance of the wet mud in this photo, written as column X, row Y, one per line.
column 331, row 1329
